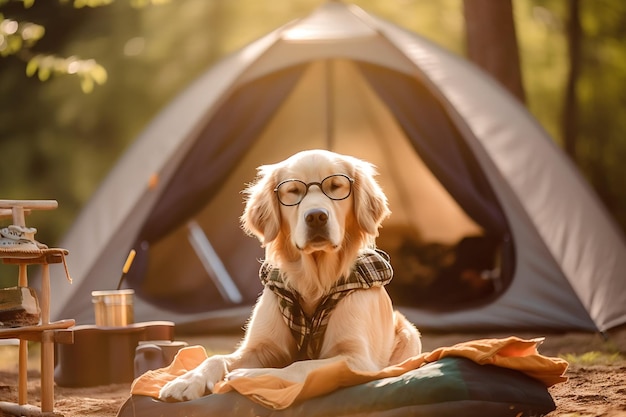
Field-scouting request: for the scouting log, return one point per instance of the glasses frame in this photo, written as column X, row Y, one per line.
column 319, row 185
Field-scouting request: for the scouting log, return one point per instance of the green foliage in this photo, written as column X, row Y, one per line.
column 18, row 38
column 543, row 48
column 601, row 88
column 89, row 71
column 14, row 35
column 601, row 146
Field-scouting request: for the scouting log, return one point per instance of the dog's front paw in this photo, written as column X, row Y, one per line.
column 194, row 383
column 187, row 387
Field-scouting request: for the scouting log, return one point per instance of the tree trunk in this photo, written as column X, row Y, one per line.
column 492, row 43
column 570, row 105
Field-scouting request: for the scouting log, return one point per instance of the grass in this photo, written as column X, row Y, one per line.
column 594, row 358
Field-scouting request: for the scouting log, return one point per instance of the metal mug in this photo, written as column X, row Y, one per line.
column 113, row 307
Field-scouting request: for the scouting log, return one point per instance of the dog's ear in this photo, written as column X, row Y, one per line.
column 261, row 216
column 370, row 203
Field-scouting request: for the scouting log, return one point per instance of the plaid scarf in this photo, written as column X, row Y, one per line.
column 372, row 269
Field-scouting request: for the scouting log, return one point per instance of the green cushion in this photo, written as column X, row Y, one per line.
column 448, row 387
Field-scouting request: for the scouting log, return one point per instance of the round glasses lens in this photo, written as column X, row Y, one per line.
column 336, row 187
column 291, row 192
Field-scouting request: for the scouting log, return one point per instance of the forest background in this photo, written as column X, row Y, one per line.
column 60, row 137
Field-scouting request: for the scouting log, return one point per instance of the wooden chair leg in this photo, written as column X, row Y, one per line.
column 47, row 371
column 44, row 302
column 22, row 377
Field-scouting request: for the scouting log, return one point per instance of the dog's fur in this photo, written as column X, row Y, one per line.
column 363, row 329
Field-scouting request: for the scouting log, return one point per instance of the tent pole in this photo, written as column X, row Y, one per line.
column 212, row 263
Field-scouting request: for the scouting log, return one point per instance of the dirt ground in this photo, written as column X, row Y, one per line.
column 596, row 386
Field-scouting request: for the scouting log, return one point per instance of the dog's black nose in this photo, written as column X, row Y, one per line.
column 316, row 217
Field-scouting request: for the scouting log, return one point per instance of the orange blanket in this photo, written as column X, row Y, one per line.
column 512, row 352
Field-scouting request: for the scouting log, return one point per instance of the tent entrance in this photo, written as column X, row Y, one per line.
column 447, row 236
column 451, row 246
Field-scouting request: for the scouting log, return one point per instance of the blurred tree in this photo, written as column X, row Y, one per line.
column 570, row 104
column 492, row 43
column 574, row 66
column 600, row 146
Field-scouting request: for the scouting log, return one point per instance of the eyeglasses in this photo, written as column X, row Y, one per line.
column 336, row 187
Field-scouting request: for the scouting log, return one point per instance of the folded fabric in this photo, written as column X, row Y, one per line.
column 276, row 393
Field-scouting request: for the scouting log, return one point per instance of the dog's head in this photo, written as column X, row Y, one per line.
column 315, row 201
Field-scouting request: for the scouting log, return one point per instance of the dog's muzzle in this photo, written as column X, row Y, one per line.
column 316, row 218
column 316, row 221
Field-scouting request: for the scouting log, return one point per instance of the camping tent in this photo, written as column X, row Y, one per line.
column 492, row 226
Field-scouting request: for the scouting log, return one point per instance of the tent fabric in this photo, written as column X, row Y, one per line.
column 221, row 145
column 439, row 144
column 460, row 160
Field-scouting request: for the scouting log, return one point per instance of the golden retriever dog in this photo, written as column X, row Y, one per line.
column 317, row 214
